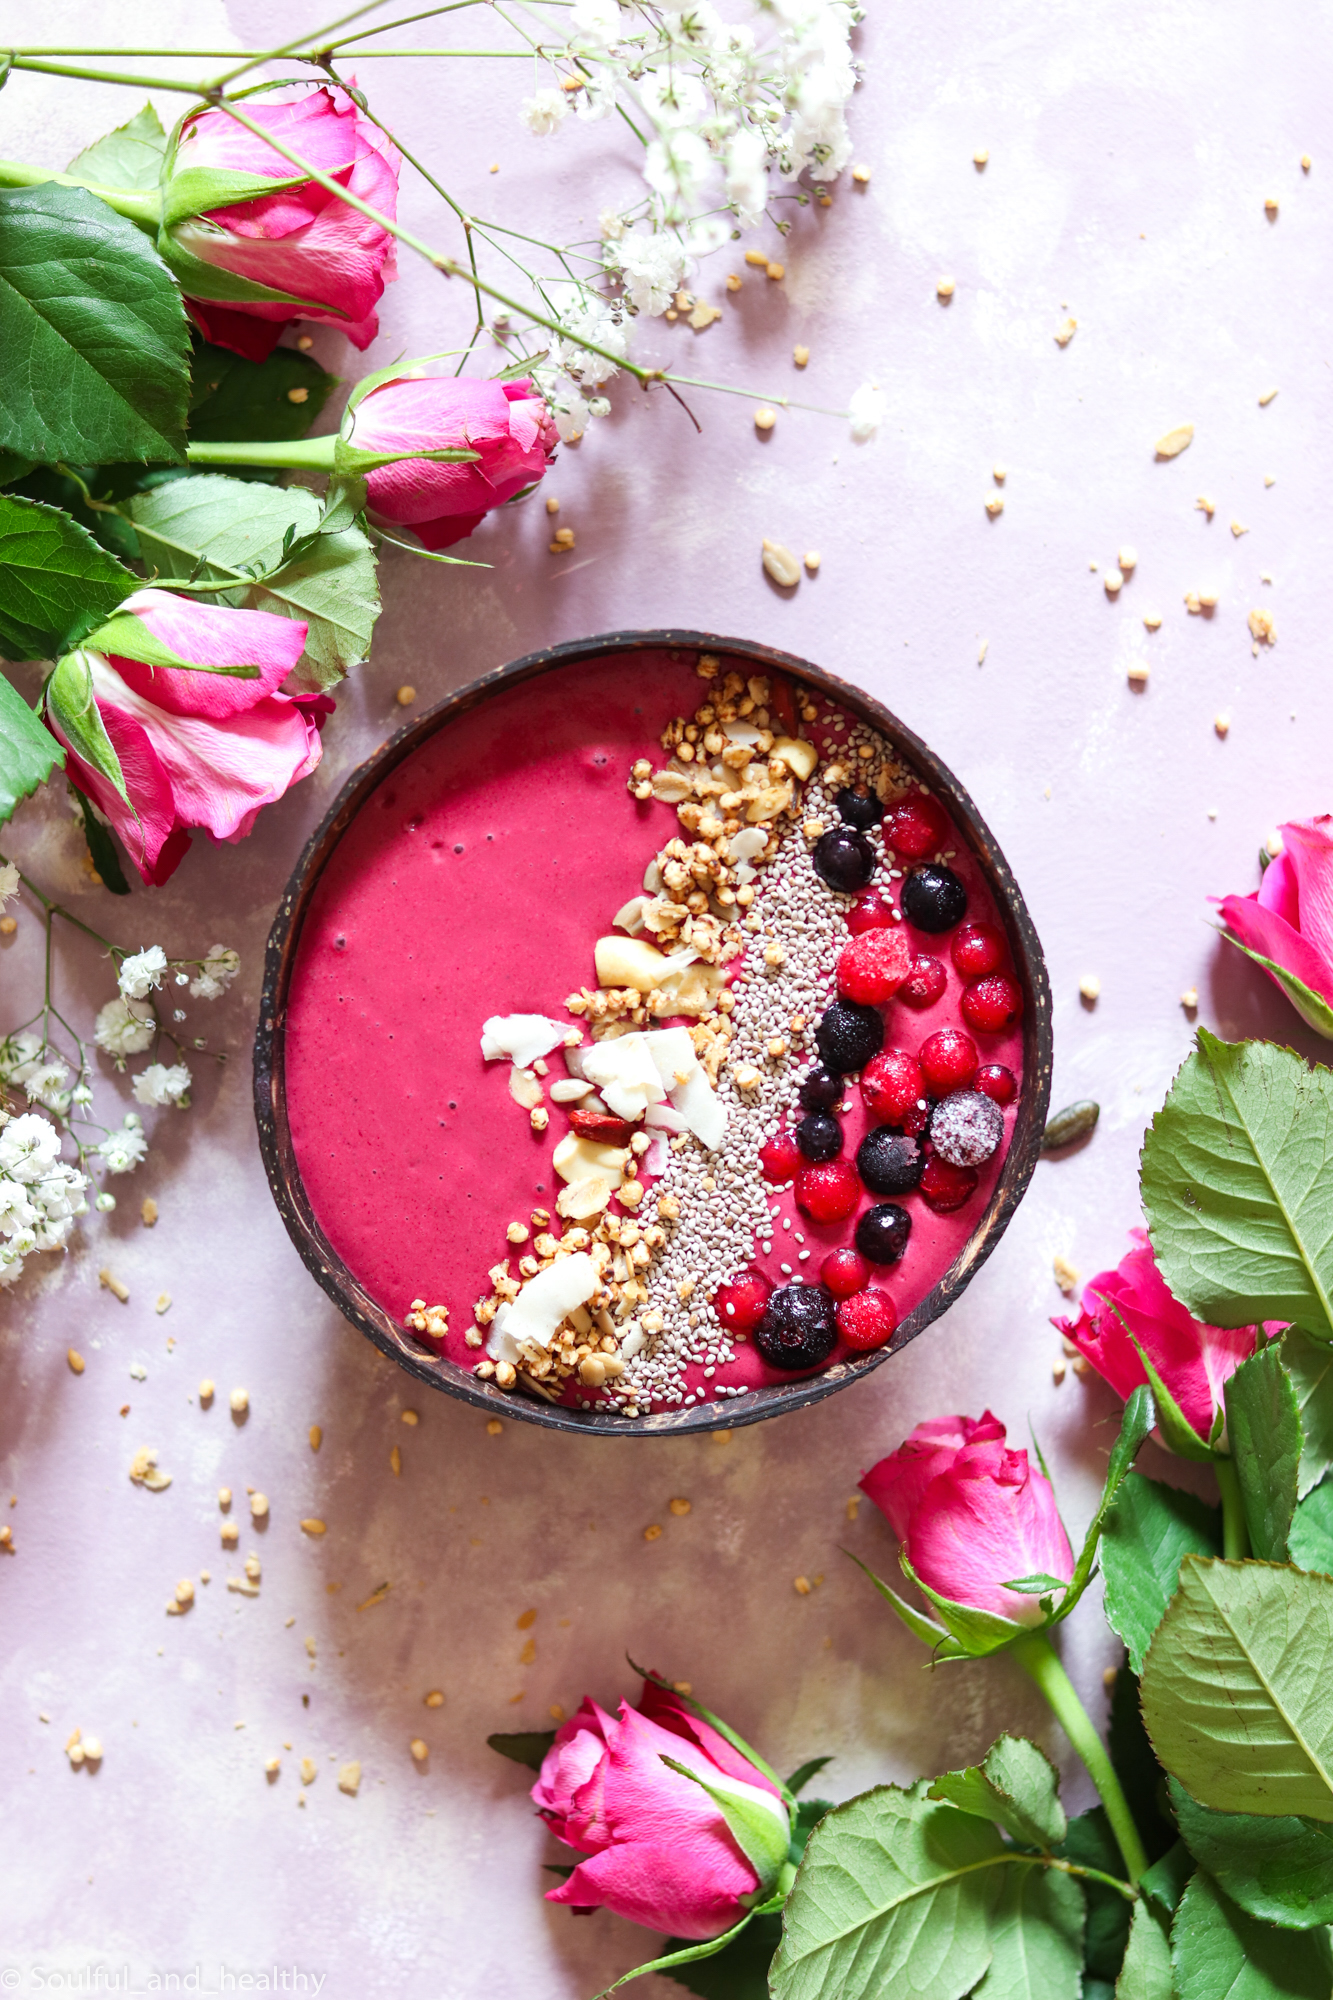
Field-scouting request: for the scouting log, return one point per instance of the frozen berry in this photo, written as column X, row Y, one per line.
column 949, row 1059
column 916, row 827
column 997, row 1083
column 820, row 1091
column 965, row 1129
column 844, row 859
column 848, row 1036
column 740, row 1305
column 799, row 1329
column 992, row 1003
column 933, row 898
column 780, row 1158
column 872, row 967
column 946, row 1188
column 828, row 1193
column 892, row 1086
column 819, row 1136
column 889, row 1162
column 845, row 1272
column 978, row 949
column 925, row 983
column 871, row 912
column 867, row 1320
column 882, row 1232
column 859, row 809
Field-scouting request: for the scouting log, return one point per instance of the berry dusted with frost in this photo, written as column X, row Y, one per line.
column 740, row 1305
column 893, row 1086
column 820, row 1091
column 965, row 1129
column 925, row 983
column 997, row 1083
column 799, row 1329
column 949, row 1059
column 946, row 1188
column 848, row 1036
column 859, row 809
column 844, row 859
column 845, row 1272
column 870, row 1319
column 978, row 949
column 916, row 826
column 819, row 1136
column 991, row 1004
column 933, row 898
column 882, row 1233
column 872, row 967
column 871, row 912
column 890, row 1162
column 828, row 1193
column 780, row 1158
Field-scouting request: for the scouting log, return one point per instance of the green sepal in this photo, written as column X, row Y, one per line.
column 723, row 1729
column 937, row 1637
column 352, row 462
column 1178, row 1434
column 72, row 707
column 192, row 191
column 753, row 1828
column 200, row 280
column 687, row 1957
column 801, row 1777
column 1312, row 1007
column 1135, row 1425
column 979, row 1633
column 525, row 1746
column 126, row 635
column 101, row 846
column 1038, row 1585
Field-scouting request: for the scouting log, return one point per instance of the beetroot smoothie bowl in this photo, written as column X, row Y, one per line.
column 653, row 1038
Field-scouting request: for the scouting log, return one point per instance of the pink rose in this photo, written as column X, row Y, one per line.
column 302, row 240
column 198, row 749
column 506, row 422
column 972, row 1515
column 1289, row 918
column 1192, row 1360
column 660, row 1852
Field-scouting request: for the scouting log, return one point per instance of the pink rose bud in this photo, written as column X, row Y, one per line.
column 660, row 1851
column 197, row 749
column 328, row 260
column 1289, row 918
column 1192, row 1360
column 506, row 423
column 972, row 1515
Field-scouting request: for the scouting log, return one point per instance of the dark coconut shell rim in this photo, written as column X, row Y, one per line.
column 776, row 1399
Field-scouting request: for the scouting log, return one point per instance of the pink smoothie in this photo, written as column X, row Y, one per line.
column 475, row 881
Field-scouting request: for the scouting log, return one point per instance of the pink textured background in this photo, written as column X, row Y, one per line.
column 1131, row 148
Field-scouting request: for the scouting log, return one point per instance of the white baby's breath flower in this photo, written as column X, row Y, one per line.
column 123, row 1150
column 596, row 25
column 19, row 1056
column 747, row 175
column 544, row 111
column 43, row 1085
column 9, row 882
column 652, row 268
column 866, row 411
column 142, row 972
column 676, row 166
column 124, row 1028
column 160, row 1084
column 215, row 974
column 611, row 226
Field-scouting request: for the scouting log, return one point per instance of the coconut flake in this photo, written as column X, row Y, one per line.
column 626, row 1074
column 655, row 1160
column 524, row 1088
column 550, row 1297
column 576, row 1159
column 665, row 1118
column 745, row 845
column 629, row 917
column 521, row 1037
column 688, row 1088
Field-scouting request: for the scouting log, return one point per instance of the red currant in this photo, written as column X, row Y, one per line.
column 949, row 1059
column 740, row 1305
column 780, row 1158
column 993, row 1080
column 892, row 1084
column 870, row 912
column 991, row 1004
column 946, row 1188
column 867, row 1320
column 925, row 983
column 872, row 967
column 830, row 1192
column 916, row 827
column 845, row 1272
column 978, row 949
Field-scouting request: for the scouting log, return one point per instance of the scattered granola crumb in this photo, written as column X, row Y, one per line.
column 1065, row 332
column 1058, row 1373
column 1066, row 1277
column 556, row 1712
column 349, row 1778
column 1270, row 206
column 1112, row 582
column 812, row 560
column 112, row 1284
column 1237, row 530
column 680, row 1506
column 1208, row 597
column 144, row 1470
column 1306, row 163
column 775, row 272
column 312, row 1525
column 1221, row 722
column 562, row 542
column 802, row 1586
column 944, row 289
column 258, row 1507
column 8, row 926
column 1090, row 986
column 1127, row 558
column 1189, row 999
column 800, row 355
column 734, row 281
column 995, row 505
column 77, row 1364
column 1205, row 505
column 764, row 418
column 982, row 650
column 981, row 156
column 272, row 1766
column 207, row 1390
column 240, row 1401
column 1263, row 628
column 651, row 1534
column 853, row 1507
column 493, row 1427
column 148, row 1212
column 1265, row 397
column 411, row 1418
column 419, row 1749
column 406, row 695
column 1173, row 442
column 163, row 1303
column 138, row 1373
column 722, row 1437
column 861, row 176
column 1152, row 620
column 7, row 1538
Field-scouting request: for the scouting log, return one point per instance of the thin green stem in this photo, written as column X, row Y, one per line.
column 145, row 209
column 59, row 910
column 81, row 74
column 1235, row 1530
column 313, row 454
column 250, row 62
column 1037, row 1657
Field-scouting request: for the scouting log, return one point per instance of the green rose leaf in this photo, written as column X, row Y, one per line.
column 1091, row 1843
column 524, row 1746
column 1146, row 1972
column 1166, row 1881
column 52, row 573
column 1238, row 1688
column 1148, row 1533
column 94, row 341
column 1216, row 1950
column 1312, row 1529
column 28, row 752
column 1036, row 1938
column 1264, row 1432
column 1239, row 1206
column 71, row 706
column 1310, row 1366
column 895, row 1895
column 1280, row 1870
column 261, row 401
column 129, row 157
column 1137, row 1768
column 13, row 467
column 1016, row 1785
column 1138, row 1420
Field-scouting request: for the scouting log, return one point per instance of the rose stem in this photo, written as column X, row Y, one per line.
column 1037, row 1656
column 1235, row 1532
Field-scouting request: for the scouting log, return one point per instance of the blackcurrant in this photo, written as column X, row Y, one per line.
column 820, row 1091
column 889, row 1162
column 799, row 1328
column 933, row 898
column 859, row 809
column 882, row 1233
column 819, row 1136
column 844, row 859
column 848, row 1036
